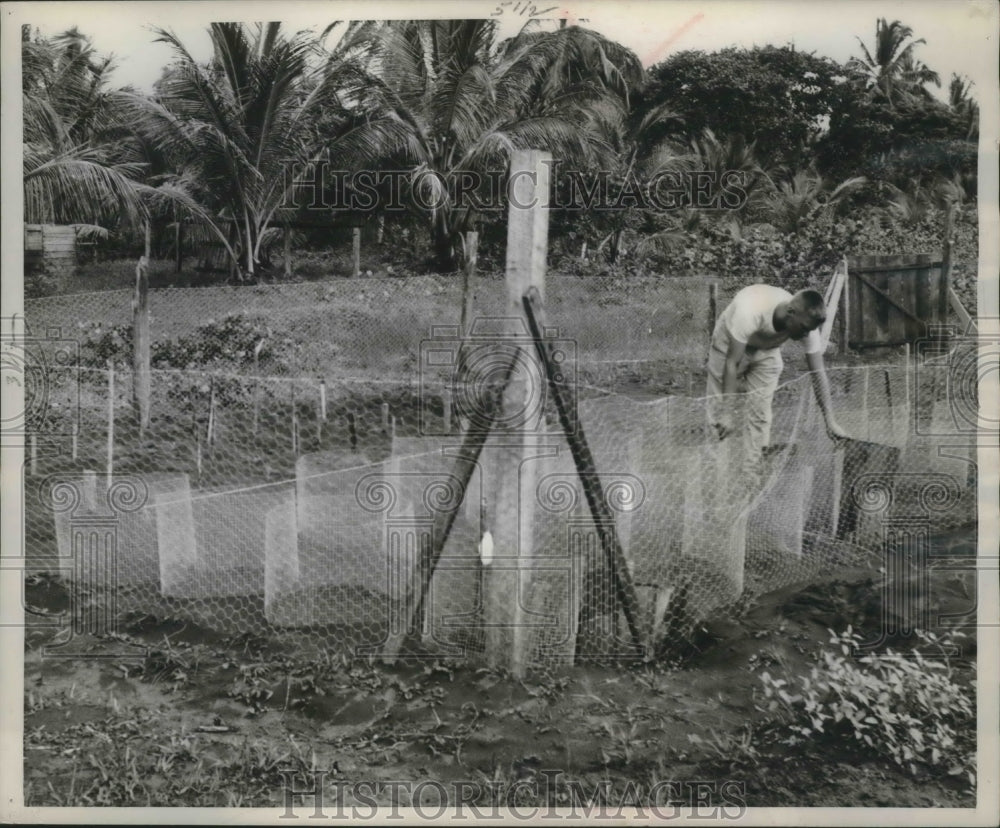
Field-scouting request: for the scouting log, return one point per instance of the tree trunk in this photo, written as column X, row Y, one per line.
column 471, row 249
column 141, row 381
column 443, row 243
column 178, row 245
column 288, row 252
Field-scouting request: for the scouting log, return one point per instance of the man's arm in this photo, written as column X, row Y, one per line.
column 821, row 387
column 729, row 373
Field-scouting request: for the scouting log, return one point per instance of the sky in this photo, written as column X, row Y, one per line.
column 960, row 34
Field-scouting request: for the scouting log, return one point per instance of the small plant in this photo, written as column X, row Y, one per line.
column 734, row 748
column 906, row 707
column 250, row 687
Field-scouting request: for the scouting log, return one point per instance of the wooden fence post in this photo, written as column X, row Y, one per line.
column 356, row 245
column 256, row 384
column 178, row 242
column 89, row 490
column 470, row 242
column 141, row 381
column 713, row 305
column 288, row 252
column 845, row 309
column 322, row 409
column 906, row 377
column 864, row 402
column 210, row 433
column 509, row 480
column 295, row 424
column 446, row 410
column 111, row 422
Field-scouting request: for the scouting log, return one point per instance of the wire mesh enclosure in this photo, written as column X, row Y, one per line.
column 307, row 505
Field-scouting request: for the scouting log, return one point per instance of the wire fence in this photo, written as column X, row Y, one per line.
column 305, row 506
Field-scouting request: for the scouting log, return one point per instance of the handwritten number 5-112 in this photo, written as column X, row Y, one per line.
column 521, row 8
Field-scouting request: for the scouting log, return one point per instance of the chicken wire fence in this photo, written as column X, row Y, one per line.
column 367, row 328
column 306, row 509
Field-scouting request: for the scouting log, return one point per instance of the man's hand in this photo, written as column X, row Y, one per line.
column 723, row 426
column 835, row 432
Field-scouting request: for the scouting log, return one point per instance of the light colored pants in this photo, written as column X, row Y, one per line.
column 756, row 378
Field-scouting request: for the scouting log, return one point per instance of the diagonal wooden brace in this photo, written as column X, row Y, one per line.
column 585, row 467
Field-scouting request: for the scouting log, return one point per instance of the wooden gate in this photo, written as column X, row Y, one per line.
column 895, row 299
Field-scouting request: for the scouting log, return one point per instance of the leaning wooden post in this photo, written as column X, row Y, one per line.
column 508, row 473
column 140, row 344
column 111, row 421
column 356, row 239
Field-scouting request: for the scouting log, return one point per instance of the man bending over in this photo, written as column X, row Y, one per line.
column 745, row 357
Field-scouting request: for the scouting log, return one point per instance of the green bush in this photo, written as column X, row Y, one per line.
column 225, row 344
column 761, row 253
column 903, row 706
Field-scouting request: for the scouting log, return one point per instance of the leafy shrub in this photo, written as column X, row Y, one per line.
column 40, row 282
column 224, row 344
column 806, row 258
column 905, row 707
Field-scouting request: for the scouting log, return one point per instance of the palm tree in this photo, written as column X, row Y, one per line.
column 640, row 146
column 735, row 161
column 243, row 129
column 798, row 200
column 465, row 102
column 962, row 103
column 74, row 170
column 891, row 70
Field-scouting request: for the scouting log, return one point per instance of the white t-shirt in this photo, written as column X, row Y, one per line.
column 749, row 318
